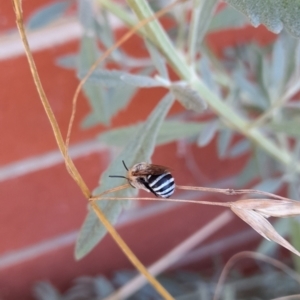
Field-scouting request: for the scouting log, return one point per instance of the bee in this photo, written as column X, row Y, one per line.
column 151, row 178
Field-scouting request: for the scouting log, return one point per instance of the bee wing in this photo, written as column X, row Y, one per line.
column 151, row 170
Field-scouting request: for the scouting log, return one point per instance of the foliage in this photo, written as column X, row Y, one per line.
column 184, row 285
column 250, row 91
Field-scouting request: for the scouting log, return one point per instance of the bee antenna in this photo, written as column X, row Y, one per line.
column 117, row 176
column 124, row 165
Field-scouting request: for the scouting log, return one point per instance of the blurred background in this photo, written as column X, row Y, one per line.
column 42, row 209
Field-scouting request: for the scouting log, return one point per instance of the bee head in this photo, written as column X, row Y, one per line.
column 132, row 175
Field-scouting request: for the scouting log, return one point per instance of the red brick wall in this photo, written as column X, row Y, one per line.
column 42, row 208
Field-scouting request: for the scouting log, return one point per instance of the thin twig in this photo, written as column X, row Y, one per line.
column 230, row 192
column 57, row 133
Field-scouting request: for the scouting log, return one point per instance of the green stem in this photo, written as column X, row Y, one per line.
column 229, row 116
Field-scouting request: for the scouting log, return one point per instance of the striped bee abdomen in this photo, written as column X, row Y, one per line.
column 162, row 185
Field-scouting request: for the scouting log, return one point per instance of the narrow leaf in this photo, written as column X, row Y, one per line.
column 170, row 131
column 47, row 14
column 86, row 15
column 290, row 128
column 140, row 81
column 248, row 173
column 227, row 18
column 104, row 30
column 89, row 121
column 109, row 78
column 208, row 132
column 240, row 148
column 69, row 61
column 188, row 97
column 262, row 226
column 157, row 59
column 207, row 74
column 274, row 14
column 294, row 232
column 98, row 100
column 250, row 91
column 45, row 290
column 270, row 185
column 278, row 69
column 139, row 148
column 117, row 96
column 224, row 139
column 201, row 16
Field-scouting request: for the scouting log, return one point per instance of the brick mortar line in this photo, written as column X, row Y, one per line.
column 15, row 257
column 61, row 32
column 50, row 159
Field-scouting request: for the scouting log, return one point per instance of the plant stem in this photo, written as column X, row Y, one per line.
column 229, row 116
column 123, row 246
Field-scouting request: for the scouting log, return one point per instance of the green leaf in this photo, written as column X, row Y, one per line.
column 47, row 14
column 45, row 290
column 250, row 91
column 239, row 148
column 157, row 59
column 86, row 16
column 140, row 81
column 104, row 30
column 227, row 18
column 113, row 78
column 98, row 101
column 224, row 139
column 290, row 128
column 270, row 185
column 139, row 148
column 274, row 14
column 188, row 97
column 116, row 99
column 278, row 69
column 109, row 78
column 294, row 231
column 69, row 61
column 170, row 131
column 207, row 133
column 201, row 17
column 89, row 121
column 96, row 95
column 248, row 173
column 207, row 74
column 118, row 96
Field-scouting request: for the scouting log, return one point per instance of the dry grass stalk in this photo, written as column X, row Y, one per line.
column 252, row 211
